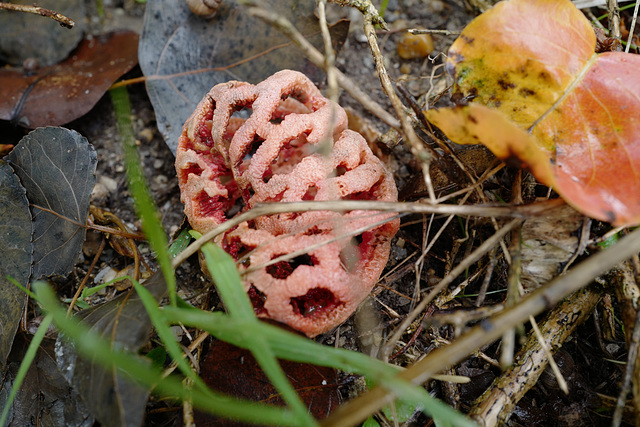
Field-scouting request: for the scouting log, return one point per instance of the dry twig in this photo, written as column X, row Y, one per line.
column 261, row 209
column 497, row 403
column 447, row 280
column 36, row 10
column 371, row 18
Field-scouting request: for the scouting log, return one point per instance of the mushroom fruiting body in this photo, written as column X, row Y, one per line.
column 274, row 142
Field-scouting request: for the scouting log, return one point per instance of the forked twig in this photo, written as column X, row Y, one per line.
column 371, row 18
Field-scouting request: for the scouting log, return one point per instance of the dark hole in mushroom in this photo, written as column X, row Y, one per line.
column 315, row 302
column 339, row 171
column 238, row 250
column 242, row 111
column 311, row 193
column 257, row 300
column 361, row 195
column 314, row 231
column 192, row 168
column 255, row 144
column 291, row 153
column 237, row 207
column 283, row 269
column 249, row 152
column 276, row 198
column 248, row 193
column 267, row 175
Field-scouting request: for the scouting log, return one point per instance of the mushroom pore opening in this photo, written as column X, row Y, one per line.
column 315, row 303
column 284, row 269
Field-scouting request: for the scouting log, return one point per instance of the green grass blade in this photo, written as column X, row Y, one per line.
column 24, row 366
column 269, row 364
column 287, row 345
column 22, row 288
column 144, row 205
column 229, row 285
column 228, row 282
column 167, row 337
column 89, row 345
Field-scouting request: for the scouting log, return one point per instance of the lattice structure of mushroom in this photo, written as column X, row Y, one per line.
column 274, row 142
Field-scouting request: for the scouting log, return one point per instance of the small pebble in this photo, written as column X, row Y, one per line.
column 415, row 46
column 99, row 194
column 110, row 183
column 105, row 275
column 177, row 332
column 146, row 134
column 436, row 6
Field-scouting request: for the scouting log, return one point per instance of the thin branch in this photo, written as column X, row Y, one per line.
column 261, row 209
column 448, row 279
column 366, row 8
column 633, row 27
column 415, row 145
column 614, row 19
column 117, row 232
column 36, row 10
column 444, row 32
column 496, row 404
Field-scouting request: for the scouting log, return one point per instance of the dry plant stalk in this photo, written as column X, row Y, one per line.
column 318, row 59
column 628, row 293
column 371, row 18
column 497, row 403
column 262, row 209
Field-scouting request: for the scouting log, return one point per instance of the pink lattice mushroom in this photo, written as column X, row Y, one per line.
column 273, row 142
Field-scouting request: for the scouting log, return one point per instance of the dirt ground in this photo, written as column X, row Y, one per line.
column 594, row 382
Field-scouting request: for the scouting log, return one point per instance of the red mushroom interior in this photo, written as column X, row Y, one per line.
column 315, row 302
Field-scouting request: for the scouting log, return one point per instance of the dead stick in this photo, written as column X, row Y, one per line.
column 415, row 145
column 497, row 403
column 36, row 10
column 261, row 209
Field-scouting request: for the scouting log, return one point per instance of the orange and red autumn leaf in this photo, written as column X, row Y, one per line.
column 534, row 64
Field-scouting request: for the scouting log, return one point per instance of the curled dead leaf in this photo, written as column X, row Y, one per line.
column 60, row 93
